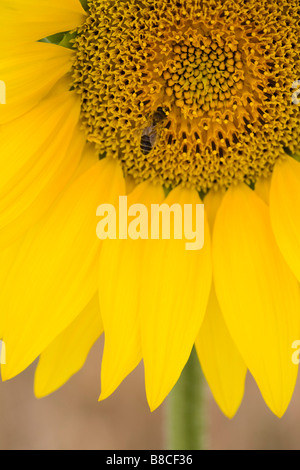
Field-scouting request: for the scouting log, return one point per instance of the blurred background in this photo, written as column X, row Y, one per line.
column 72, row 418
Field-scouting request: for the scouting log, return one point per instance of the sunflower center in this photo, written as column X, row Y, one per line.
column 190, row 91
column 201, row 77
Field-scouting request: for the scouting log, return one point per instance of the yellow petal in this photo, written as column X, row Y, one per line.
column 285, row 211
column 262, row 189
column 221, row 362
column 174, row 294
column 30, row 20
column 29, row 74
column 257, row 293
column 7, row 258
column 55, row 275
column 35, row 170
column 68, row 352
column 90, row 157
column 212, row 203
column 119, row 290
column 222, row 365
column 41, row 124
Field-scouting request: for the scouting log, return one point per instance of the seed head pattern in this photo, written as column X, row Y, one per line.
column 221, row 71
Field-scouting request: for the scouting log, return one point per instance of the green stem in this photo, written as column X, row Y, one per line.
column 185, row 413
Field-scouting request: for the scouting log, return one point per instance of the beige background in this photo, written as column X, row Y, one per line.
column 72, row 418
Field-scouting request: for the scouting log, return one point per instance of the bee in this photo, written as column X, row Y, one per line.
column 150, row 133
column 159, row 116
column 148, row 139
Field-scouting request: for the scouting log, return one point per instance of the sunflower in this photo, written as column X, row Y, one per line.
column 212, row 80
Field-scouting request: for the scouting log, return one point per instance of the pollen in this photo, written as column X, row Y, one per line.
column 218, row 72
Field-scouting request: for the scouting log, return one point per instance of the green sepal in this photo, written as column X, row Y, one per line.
column 84, row 4
column 296, row 157
column 54, row 39
column 68, row 39
column 65, row 39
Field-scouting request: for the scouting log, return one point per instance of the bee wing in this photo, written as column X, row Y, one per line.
column 148, row 139
column 150, row 131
